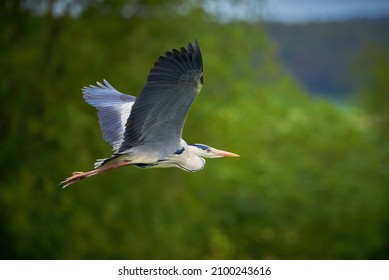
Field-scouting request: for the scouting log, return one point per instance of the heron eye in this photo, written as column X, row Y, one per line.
column 179, row 151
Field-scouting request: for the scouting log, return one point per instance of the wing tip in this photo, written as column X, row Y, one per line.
column 196, row 53
column 193, row 47
column 189, row 58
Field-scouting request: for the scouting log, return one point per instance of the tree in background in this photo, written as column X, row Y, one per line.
column 309, row 183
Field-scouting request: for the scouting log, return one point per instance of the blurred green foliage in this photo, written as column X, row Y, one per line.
column 311, row 183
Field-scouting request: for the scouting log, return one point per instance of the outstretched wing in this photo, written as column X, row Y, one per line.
column 113, row 108
column 159, row 112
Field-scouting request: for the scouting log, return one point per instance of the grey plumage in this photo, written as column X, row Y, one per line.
column 113, row 109
column 159, row 112
column 146, row 131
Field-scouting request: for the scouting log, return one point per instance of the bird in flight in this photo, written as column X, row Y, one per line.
column 146, row 131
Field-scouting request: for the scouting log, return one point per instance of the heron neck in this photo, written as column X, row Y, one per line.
column 189, row 159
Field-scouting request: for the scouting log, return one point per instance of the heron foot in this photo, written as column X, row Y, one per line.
column 79, row 175
column 76, row 176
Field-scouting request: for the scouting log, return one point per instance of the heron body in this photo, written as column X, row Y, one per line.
column 146, row 131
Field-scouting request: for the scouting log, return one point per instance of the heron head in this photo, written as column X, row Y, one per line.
column 209, row 152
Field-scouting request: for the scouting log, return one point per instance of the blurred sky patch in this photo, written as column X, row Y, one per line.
column 299, row 10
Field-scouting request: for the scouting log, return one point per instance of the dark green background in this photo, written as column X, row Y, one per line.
column 312, row 181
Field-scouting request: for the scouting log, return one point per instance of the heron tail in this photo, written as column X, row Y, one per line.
column 100, row 162
column 115, row 158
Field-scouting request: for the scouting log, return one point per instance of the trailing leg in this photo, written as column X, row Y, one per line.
column 77, row 175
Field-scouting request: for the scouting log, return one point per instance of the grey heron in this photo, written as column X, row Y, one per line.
column 145, row 131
